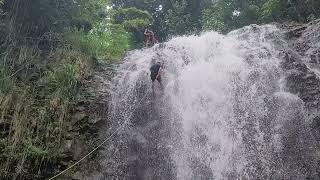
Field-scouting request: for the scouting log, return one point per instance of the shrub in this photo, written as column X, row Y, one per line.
column 35, row 114
column 104, row 41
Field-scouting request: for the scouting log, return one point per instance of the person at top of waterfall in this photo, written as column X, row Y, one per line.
column 149, row 37
column 156, row 70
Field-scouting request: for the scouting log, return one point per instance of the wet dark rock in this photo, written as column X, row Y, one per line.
column 297, row 32
column 302, row 68
column 301, row 77
column 79, row 116
column 137, row 153
column 95, row 120
column 80, row 107
column 4, row 129
column 316, row 127
column 88, row 120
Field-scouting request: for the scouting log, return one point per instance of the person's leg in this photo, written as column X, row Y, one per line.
column 153, row 78
column 160, row 82
column 148, row 41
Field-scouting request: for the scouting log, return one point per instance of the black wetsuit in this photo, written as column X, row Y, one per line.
column 154, row 72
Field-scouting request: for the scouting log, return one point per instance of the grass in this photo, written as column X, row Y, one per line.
column 39, row 84
column 107, row 42
column 37, row 93
column 42, row 66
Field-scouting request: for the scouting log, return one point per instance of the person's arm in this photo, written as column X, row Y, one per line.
column 145, row 32
column 155, row 40
column 160, row 69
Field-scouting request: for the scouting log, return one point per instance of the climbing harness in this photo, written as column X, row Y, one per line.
column 106, row 140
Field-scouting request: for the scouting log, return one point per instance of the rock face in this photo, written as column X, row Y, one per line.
column 89, row 118
column 301, row 65
column 302, row 68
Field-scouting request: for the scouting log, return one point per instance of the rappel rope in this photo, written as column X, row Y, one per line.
column 106, row 140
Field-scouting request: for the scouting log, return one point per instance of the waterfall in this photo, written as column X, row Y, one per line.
column 224, row 112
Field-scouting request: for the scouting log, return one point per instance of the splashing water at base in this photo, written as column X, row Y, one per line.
column 222, row 115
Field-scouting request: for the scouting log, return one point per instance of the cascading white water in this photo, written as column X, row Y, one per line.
column 224, row 112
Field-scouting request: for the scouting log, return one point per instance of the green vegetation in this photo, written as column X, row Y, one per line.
column 134, row 21
column 35, row 100
column 241, row 13
column 47, row 48
column 103, row 41
column 180, row 17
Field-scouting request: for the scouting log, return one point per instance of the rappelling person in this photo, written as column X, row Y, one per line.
column 149, row 37
column 156, row 70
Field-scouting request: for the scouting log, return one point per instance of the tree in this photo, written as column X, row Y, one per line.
column 213, row 18
column 134, row 21
column 171, row 17
column 221, row 16
column 44, row 59
column 1, row 4
column 35, row 17
column 226, row 15
column 301, row 10
column 90, row 10
column 271, row 10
